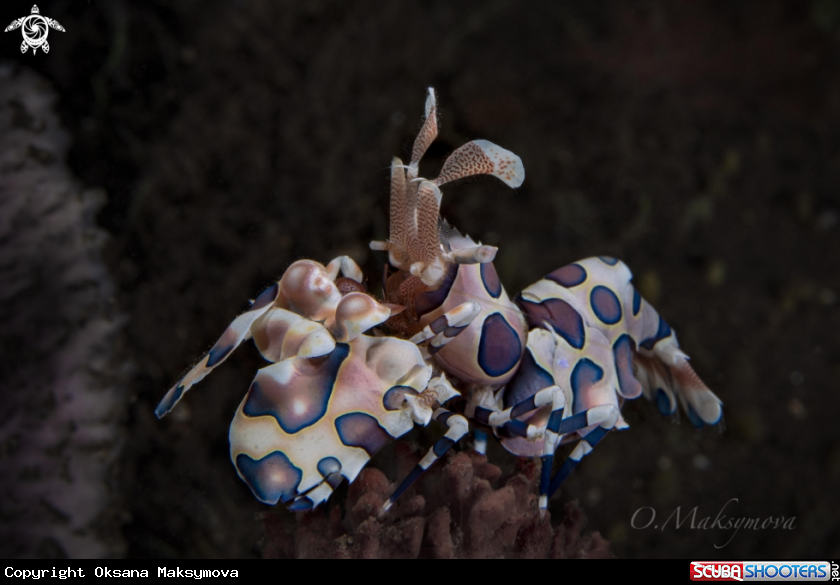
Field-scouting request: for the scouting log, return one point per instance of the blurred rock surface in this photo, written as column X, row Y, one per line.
column 63, row 406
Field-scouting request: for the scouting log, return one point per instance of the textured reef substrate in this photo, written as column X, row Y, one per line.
column 461, row 508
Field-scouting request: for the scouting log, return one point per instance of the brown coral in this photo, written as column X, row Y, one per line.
column 461, row 508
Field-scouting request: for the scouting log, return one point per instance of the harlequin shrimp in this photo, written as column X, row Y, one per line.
column 552, row 365
column 332, row 396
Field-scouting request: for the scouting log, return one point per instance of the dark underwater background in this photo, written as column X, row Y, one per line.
column 697, row 141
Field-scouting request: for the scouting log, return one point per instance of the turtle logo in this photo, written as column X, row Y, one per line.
column 35, row 28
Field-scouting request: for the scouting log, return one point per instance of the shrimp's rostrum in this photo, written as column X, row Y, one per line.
column 350, row 373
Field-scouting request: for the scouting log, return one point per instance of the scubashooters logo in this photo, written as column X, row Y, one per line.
column 35, row 29
column 798, row 571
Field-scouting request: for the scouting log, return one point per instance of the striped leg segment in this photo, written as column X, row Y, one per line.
column 551, row 434
column 446, row 327
column 605, row 416
column 237, row 332
column 518, row 428
column 583, row 448
column 458, row 427
column 480, row 442
column 552, row 395
column 506, row 419
column 550, row 443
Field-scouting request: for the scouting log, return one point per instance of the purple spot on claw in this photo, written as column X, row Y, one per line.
column 605, row 305
column 499, row 348
column 568, row 276
column 395, row 397
column 429, row 301
column 491, row 281
column 558, row 314
column 301, row 505
column 329, row 465
column 628, row 385
column 529, row 379
column 272, row 478
column 439, row 324
column 584, row 376
column 637, row 302
column 267, row 296
column 299, row 401
column 663, row 331
column 358, row 429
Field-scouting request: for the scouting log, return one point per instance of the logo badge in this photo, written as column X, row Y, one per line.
column 35, row 29
column 797, row 571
